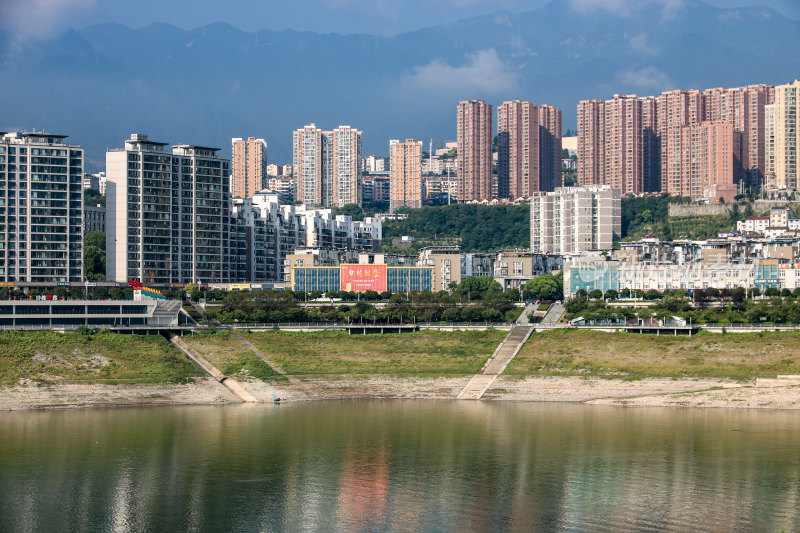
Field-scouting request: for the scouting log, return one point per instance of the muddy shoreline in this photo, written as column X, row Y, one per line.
column 660, row 392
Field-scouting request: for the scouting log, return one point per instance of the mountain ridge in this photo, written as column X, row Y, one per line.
column 102, row 82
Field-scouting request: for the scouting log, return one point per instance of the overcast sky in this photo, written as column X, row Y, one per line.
column 34, row 17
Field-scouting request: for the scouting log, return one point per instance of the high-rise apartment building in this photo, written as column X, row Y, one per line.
column 575, row 219
column 327, row 166
column 651, row 147
column 744, row 108
column 769, row 146
column 701, row 155
column 307, row 162
column 550, row 119
column 41, row 209
column 344, row 154
column 249, row 166
column 781, row 140
column 406, row 177
column 529, row 149
column 633, row 143
column 624, row 167
column 616, row 143
column 168, row 213
column 518, row 164
column 591, row 142
column 474, row 156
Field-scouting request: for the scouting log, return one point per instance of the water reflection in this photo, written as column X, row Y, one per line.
column 399, row 466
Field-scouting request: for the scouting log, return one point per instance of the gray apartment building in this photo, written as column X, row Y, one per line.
column 575, row 219
column 167, row 213
column 41, row 207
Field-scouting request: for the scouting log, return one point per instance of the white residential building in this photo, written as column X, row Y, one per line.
column 41, row 209
column 167, row 213
column 781, row 137
column 327, row 166
column 575, row 219
column 264, row 231
column 779, row 222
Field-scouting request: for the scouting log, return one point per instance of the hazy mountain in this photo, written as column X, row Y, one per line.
column 204, row 86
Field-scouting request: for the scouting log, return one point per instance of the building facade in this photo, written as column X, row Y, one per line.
column 446, row 264
column 575, row 219
column 94, row 219
column 702, row 155
column 634, row 143
column 249, row 166
column 41, row 209
column 474, row 155
column 406, row 176
column 782, row 118
column 264, row 233
column 167, row 213
column 327, row 166
column 617, row 143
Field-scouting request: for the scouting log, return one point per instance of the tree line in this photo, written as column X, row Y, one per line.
column 475, row 299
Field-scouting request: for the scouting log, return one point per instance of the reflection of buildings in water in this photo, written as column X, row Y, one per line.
column 364, row 488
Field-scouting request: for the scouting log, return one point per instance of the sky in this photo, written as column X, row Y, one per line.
column 380, row 17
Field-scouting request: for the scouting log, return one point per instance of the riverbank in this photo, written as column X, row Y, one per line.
column 661, row 392
column 51, row 370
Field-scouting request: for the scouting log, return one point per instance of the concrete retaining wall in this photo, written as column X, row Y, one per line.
column 689, row 210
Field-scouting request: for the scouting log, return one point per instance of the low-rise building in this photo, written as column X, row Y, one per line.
column 361, row 277
column 446, row 263
column 94, row 218
column 590, row 273
column 514, row 268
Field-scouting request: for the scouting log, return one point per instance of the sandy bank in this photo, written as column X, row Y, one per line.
column 646, row 392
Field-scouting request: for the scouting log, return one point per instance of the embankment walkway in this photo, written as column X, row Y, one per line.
column 497, row 363
column 229, row 383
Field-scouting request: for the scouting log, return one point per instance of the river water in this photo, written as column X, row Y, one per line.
column 400, row 466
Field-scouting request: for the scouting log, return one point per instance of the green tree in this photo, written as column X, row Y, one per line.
column 477, row 287
column 96, row 239
column 353, row 210
column 93, row 197
column 543, row 287
column 100, row 293
column 596, row 294
column 94, row 263
column 94, row 256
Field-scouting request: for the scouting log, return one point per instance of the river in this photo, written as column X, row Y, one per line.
column 400, row 466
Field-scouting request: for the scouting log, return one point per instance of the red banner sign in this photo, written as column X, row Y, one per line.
column 360, row 278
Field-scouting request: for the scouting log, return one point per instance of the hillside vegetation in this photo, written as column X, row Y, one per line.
column 476, row 228
column 740, row 356
column 104, row 357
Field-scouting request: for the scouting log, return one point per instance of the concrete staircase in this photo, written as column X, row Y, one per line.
column 554, row 314
column 497, row 363
column 204, row 365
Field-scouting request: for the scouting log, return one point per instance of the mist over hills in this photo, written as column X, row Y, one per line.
column 100, row 83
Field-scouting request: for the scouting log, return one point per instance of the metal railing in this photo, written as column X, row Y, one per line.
column 345, row 325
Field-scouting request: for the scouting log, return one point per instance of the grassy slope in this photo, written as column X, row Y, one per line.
column 100, row 358
column 230, row 356
column 111, row 358
column 738, row 356
column 428, row 352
